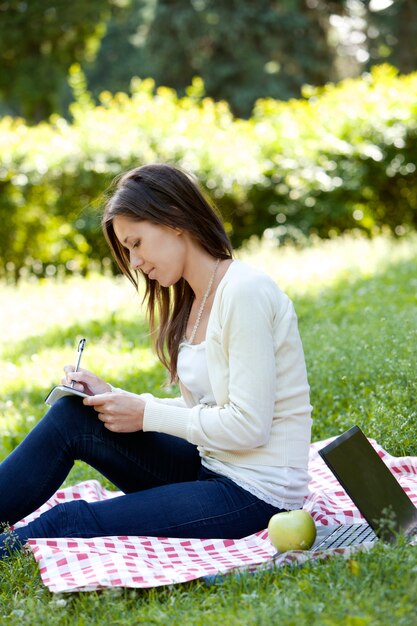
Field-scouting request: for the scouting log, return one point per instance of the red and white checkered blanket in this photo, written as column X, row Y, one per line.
column 87, row 564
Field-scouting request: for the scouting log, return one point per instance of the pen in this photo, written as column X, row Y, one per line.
column 80, row 353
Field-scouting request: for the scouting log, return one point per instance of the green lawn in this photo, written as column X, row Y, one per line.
column 357, row 307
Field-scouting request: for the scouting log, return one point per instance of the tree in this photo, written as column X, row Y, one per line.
column 371, row 32
column 39, row 41
column 393, row 26
column 243, row 50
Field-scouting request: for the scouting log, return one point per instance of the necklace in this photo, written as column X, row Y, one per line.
column 203, row 303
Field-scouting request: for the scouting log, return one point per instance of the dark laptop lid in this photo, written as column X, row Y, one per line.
column 370, row 484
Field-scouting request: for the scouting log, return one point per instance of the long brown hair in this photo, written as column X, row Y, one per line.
column 165, row 195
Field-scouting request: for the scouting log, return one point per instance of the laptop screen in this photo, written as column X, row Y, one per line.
column 370, row 484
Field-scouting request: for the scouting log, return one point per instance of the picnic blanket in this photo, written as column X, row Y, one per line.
column 68, row 565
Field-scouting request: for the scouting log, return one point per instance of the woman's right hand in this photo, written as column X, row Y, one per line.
column 85, row 381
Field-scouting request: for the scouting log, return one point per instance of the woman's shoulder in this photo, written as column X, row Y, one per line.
column 247, row 288
column 242, row 277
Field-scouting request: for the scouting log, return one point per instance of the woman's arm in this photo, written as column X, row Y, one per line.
column 259, row 351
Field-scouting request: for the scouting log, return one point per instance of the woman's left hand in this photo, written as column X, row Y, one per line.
column 120, row 412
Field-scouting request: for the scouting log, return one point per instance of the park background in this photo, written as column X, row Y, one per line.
column 299, row 117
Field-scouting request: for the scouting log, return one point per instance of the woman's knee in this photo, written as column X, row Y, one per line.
column 66, row 424
column 69, row 413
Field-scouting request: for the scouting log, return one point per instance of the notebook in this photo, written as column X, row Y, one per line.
column 374, row 490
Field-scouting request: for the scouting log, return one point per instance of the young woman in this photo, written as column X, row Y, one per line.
column 229, row 453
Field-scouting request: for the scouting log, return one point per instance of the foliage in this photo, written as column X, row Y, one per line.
column 340, row 158
column 241, row 50
column 355, row 300
column 394, row 34
column 38, row 43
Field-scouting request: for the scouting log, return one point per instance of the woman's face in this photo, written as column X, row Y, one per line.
column 158, row 251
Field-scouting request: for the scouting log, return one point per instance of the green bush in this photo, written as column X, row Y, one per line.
column 340, row 158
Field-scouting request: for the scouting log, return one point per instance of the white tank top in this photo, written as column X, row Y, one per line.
column 283, row 487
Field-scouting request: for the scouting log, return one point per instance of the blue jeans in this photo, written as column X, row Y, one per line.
column 167, row 491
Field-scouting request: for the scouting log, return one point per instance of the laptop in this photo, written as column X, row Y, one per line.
column 373, row 489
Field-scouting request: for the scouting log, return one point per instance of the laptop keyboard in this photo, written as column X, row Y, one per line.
column 348, row 535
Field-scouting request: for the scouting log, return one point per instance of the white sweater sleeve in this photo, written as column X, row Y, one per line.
column 179, row 401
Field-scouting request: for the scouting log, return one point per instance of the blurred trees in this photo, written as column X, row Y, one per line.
column 243, row 49
column 39, row 41
column 392, row 33
column 247, row 49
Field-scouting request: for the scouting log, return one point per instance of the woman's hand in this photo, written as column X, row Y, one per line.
column 120, row 412
column 85, row 381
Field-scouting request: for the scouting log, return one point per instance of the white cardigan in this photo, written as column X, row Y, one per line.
column 258, row 376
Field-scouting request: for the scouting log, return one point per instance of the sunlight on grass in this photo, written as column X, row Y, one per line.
column 31, row 307
column 327, row 262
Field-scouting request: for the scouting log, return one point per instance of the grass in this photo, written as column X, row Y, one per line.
column 356, row 301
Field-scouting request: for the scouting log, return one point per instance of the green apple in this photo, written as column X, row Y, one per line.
column 292, row 530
